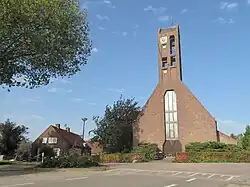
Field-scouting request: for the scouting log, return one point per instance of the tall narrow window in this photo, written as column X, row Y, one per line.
column 171, row 122
column 164, row 62
column 173, row 61
column 172, row 45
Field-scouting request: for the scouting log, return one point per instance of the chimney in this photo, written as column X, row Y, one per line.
column 68, row 129
column 58, row 126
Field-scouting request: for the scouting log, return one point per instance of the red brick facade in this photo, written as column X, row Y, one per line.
column 195, row 123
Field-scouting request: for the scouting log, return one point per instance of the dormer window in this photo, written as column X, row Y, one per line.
column 52, row 140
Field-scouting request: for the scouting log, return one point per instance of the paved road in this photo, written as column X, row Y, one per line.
column 140, row 175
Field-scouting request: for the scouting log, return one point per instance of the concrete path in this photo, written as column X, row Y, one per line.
column 158, row 174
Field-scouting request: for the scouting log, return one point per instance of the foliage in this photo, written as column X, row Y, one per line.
column 40, row 40
column 74, row 152
column 121, row 158
column 211, row 147
column 48, row 151
column 142, row 153
column 235, row 157
column 69, row 162
column 115, row 129
column 246, row 139
column 148, row 150
column 24, row 150
column 11, row 135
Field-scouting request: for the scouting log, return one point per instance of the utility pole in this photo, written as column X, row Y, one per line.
column 83, row 126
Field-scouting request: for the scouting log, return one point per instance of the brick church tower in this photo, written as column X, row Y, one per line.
column 173, row 116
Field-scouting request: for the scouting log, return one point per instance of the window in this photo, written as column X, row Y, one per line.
column 173, row 61
column 45, row 140
column 164, row 62
column 171, row 122
column 52, row 140
column 57, row 151
column 172, row 45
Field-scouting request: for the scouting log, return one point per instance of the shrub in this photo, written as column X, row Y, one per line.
column 147, row 151
column 117, row 158
column 69, row 162
column 236, row 157
column 212, row 147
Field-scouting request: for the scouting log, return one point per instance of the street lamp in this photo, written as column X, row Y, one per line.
column 83, row 126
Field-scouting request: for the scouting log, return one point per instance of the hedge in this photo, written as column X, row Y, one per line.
column 191, row 157
column 212, row 147
column 69, row 162
column 117, row 158
column 147, row 151
column 142, row 153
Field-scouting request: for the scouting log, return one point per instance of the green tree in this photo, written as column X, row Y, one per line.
column 11, row 135
column 24, row 150
column 41, row 40
column 115, row 129
column 245, row 140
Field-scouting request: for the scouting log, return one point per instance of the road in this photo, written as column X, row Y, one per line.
column 158, row 174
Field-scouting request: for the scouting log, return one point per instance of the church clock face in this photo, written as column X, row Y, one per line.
column 164, row 40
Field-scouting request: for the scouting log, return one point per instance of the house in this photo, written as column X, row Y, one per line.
column 95, row 148
column 173, row 116
column 61, row 140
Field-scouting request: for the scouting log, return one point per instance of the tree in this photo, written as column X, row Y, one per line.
column 245, row 140
column 11, row 135
column 24, row 150
column 41, row 40
column 115, row 129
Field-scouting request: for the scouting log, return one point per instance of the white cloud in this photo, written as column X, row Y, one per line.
column 65, row 81
column 31, row 100
column 226, row 121
column 184, row 11
column 109, row 3
column 92, row 103
column 227, row 5
column 55, row 90
column 231, row 21
column 163, row 18
column 225, row 21
column 94, row 50
column 157, row 11
column 101, row 28
column 248, row 2
column 36, row 117
column 116, row 90
column 102, row 17
column 77, row 100
column 124, row 33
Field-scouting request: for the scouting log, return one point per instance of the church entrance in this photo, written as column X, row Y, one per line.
column 171, row 147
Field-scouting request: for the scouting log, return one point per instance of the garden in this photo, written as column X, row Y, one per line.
column 213, row 152
column 143, row 153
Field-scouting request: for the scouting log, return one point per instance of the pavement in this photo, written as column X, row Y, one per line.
column 156, row 174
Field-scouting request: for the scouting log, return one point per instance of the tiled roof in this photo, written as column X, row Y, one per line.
column 72, row 138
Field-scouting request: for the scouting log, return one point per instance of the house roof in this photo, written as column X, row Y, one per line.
column 72, row 138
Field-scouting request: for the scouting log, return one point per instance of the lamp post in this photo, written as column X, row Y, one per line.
column 83, row 126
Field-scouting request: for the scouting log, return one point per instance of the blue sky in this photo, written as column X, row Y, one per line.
column 215, row 58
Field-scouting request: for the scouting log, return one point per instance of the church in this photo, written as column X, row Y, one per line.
column 173, row 117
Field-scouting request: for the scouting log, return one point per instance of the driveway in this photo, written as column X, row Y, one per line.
column 158, row 174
